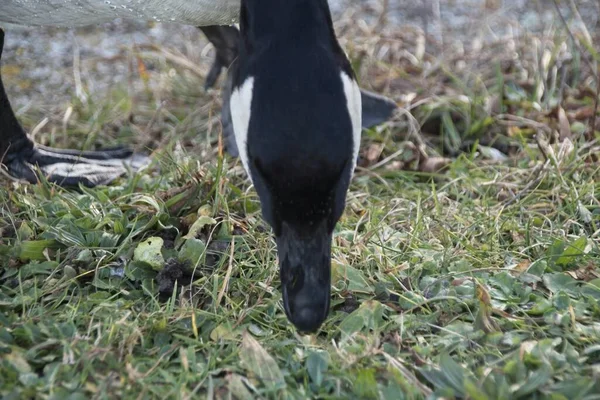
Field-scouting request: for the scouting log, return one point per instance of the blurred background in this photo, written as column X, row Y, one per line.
column 459, row 67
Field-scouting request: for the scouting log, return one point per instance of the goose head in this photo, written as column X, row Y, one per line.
column 296, row 113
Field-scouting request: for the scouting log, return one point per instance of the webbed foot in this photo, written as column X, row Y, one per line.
column 23, row 159
column 71, row 167
column 225, row 39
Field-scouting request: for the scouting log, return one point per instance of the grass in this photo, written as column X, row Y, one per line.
column 479, row 282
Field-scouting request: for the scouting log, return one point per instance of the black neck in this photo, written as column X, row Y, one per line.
column 298, row 20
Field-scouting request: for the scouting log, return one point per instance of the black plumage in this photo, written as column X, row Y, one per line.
column 300, row 139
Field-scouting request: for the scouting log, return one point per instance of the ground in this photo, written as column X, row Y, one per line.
column 465, row 266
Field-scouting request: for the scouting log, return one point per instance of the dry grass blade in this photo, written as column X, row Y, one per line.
column 227, row 274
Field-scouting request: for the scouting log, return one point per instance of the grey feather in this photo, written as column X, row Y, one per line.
column 70, row 13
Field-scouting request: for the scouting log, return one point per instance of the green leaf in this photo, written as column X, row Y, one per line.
column 365, row 385
column 453, row 373
column 33, row 250
column 393, row 391
column 29, row 379
column 25, row 232
column 316, row 365
column 36, row 268
column 18, row 361
column 198, row 225
column 372, row 311
column 573, row 389
column 540, row 306
column 354, row 278
column 556, row 250
column 595, row 282
column 562, row 301
column 559, row 281
column 223, row 332
column 451, row 378
column 118, row 227
column 534, row 381
column 137, row 270
column 257, row 362
column 192, row 251
column 436, row 378
column 449, row 131
column 575, row 249
column 352, row 323
column 85, row 256
column 537, row 268
column 149, row 252
column 474, row 392
column 591, row 288
column 369, row 315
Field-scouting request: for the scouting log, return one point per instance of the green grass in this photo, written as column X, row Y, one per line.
column 481, row 282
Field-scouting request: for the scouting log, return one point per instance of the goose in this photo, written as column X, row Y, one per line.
column 292, row 111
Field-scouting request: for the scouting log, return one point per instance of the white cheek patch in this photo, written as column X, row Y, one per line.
column 240, row 105
column 354, row 104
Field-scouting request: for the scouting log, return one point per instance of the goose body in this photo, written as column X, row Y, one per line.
column 292, row 111
column 87, row 12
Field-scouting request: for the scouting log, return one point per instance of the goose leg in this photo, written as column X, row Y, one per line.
column 376, row 109
column 24, row 159
column 225, row 39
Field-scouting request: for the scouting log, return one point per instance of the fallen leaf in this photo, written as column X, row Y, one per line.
column 587, row 273
column 483, row 319
column 523, row 266
column 564, row 127
column 372, row 153
column 434, row 164
column 584, row 113
column 198, row 225
column 565, row 149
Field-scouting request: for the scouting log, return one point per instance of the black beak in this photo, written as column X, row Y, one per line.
column 305, row 270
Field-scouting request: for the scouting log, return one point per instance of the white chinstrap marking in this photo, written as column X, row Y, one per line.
column 240, row 105
column 354, row 104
